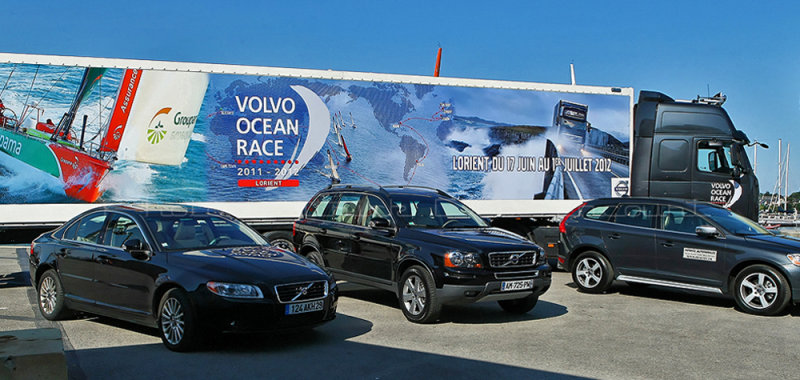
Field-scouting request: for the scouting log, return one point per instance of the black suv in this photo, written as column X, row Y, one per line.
column 422, row 244
column 680, row 244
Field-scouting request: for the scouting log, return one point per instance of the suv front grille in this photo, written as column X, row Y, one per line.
column 512, row 259
column 301, row 291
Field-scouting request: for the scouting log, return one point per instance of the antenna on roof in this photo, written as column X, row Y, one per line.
column 572, row 72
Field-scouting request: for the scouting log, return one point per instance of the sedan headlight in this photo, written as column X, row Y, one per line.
column 462, row 260
column 226, row 289
column 794, row 258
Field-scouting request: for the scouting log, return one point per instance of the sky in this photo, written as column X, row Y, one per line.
column 748, row 50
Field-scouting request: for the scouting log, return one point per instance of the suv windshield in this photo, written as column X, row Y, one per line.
column 733, row 222
column 416, row 211
column 201, row 231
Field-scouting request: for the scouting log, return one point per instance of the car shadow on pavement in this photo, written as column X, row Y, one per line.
column 302, row 358
column 15, row 280
column 666, row 294
column 477, row 313
column 490, row 313
column 342, row 328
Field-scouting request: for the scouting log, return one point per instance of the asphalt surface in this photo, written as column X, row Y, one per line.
column 625, row 334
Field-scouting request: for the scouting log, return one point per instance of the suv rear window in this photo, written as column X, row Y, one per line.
column 599, row 212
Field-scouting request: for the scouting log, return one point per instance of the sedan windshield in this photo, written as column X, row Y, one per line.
column 193, row 232
column 416, row 211
column 733, row 222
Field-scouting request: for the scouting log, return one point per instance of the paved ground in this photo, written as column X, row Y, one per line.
column 628, row 333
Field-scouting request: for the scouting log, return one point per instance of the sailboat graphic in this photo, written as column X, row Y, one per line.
column 81, row 165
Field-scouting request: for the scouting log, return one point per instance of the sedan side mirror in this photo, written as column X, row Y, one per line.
column 706, row 231
column 138, row 249
column 380, row 223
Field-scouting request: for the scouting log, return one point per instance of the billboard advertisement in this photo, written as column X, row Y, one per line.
column 72, row 134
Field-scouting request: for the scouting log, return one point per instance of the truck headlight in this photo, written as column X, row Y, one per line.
column 794, row 258
column 226, row 289
column 457, row 259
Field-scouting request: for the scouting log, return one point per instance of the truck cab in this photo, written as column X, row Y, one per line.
column 691, row 150
column 570, row 120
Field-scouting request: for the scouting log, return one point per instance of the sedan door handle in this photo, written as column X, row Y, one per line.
column 615, row 236
column 667, row 244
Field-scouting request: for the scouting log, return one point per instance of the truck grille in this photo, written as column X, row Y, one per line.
column 512, row 259
column 301, row 291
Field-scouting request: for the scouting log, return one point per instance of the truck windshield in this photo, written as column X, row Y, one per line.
column 733, row 222
column 416, row 211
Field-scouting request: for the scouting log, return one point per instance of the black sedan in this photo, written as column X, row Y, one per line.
column 181, row 269
column 680, row 244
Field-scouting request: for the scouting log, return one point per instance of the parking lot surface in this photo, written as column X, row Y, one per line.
column 629, row 333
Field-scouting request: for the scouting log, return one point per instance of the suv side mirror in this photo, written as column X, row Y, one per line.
column 706, row 231
column 380, row 223
column 138, row 249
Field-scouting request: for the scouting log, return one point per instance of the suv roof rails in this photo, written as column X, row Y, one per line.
column 440, row 192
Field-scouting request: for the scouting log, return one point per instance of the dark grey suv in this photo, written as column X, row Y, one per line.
column 681, row 244
column 423, row 245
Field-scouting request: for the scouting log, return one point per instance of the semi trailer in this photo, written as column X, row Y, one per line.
column 258, row 142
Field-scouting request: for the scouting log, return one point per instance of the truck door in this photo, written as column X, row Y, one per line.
column 670, row 174
column 712, row 174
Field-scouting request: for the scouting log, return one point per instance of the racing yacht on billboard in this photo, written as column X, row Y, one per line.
column 61, row 150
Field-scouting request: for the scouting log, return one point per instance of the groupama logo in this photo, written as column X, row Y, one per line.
column 179, row 126
column 156, row 133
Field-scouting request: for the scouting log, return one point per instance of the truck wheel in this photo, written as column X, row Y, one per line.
column 280, row 239
column 761, row 290
column 592, row 273
column 177, row 323
column 51, row 296
column 418, row 298
column 519, row 306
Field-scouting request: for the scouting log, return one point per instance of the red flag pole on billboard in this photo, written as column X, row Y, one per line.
column 438, row 63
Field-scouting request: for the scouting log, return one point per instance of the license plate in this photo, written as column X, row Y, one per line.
column 507, row 286
column 304, row 307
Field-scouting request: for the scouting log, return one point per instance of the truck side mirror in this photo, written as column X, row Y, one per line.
column 736, row 171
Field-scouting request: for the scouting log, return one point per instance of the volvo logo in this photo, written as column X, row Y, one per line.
column 301, row 291
column 513, row 259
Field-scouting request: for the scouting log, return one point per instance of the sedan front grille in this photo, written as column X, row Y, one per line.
column 512, row 259
column 302, row 291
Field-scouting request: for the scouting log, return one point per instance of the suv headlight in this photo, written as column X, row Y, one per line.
column 540, row 258
column 794, row 258
column 226, row 289
column 457, row 259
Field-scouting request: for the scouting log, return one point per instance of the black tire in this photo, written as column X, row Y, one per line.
column 50, row 294
column 519, row 306
column 177, row 322
column 417, row 296
column 281, row 239
column 592, row 272
column 315, row 257
column 761, row 290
